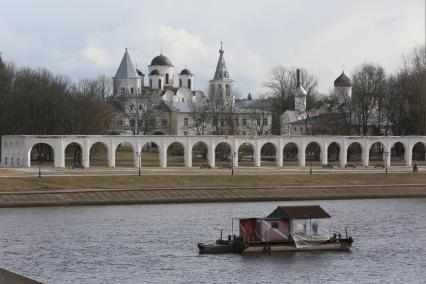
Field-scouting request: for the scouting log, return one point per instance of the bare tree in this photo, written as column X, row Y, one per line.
column 260, row 111
column 369, row 83
column 281, row 88
column 141, row 112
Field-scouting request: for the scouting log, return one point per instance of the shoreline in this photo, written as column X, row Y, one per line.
column 180, row 186
column 151, row 196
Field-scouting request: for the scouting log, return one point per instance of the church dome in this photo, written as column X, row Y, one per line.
column 161, row 60
column 155, row 72
column 185, row 72
column 343, row 81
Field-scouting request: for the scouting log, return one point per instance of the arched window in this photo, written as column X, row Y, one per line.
column 132, row 90
column 183, row 100
column 189, row 84
column 167, row 78
column 159, row 84
column 180, row 82
column 228, row 91
column 122, row 90
column 150, row 83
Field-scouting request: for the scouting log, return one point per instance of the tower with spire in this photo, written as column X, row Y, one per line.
column 222, row 86
column 127, row 80
column 300, row 95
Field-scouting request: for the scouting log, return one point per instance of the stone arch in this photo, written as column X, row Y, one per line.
column 268, row 154
column 246, row 154
column 125, row 155
column 42, row 154
column 176, row 154
column 73, row 155
column 419, row 153
column 313, row 153
column 98, row 154
column 150, row 155
column 397, row 154
column 333, row 153
column 354, row 154
column 223, row 154
column 200, row 153
column 291, row 153
column 376, row 154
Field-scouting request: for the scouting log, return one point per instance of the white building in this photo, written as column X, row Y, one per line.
column 176, row 100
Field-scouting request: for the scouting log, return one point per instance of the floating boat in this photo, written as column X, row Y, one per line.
column 286, row 229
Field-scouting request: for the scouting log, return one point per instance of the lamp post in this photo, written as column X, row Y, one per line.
column 40, row 155
column 232, row 166
column 386, row 161
column 139, row 156
column 310, row 156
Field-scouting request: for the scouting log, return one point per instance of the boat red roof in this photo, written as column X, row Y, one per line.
column 299, row 212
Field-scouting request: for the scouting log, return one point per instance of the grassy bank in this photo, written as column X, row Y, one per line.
column 183, row 181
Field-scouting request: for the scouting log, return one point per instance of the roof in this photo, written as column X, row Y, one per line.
column 300, row 92
column 126, row 69
column 299, row 212
column 324, row 118
column 185, row 72
column 139, row 72
column 343, row 81
column 161, row 60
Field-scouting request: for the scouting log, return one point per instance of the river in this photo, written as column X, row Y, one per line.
column 157, row 244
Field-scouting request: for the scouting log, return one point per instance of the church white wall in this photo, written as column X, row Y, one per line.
column 163, row 71
column 127, row 84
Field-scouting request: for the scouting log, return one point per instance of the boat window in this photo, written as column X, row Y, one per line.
column 274, row 225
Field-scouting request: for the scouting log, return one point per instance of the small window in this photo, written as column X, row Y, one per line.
column 222, row 123
column 185, row 133
column 185, row 121
column 159, row 84
column 167, row 78
column 180, row 82
column 131, row 107
column 258, row 122
column 295, row 129
column 132, row 123
column 244, row 122
column 140, row 107
column 140, row 122
column 150, row 83
column 274, row 225
column 132, row 90
column 265, row 122
column 183, row 100
column 122, row 90
column 164, row 122
column 189, row 84
column 244, row 133
column 236, row 122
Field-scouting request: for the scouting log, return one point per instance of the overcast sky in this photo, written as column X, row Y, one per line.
column 82, row 38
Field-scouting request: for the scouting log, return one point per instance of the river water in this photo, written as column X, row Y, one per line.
column 157, row 244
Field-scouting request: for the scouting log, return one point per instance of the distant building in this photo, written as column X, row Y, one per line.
column 172, row 102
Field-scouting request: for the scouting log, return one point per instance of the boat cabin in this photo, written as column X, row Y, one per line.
column 284, row 223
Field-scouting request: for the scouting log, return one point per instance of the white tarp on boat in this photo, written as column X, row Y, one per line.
column 308, row 233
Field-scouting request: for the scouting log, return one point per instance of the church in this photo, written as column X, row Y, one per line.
column 165, row 103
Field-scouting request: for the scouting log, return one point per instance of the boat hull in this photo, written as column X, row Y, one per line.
column 266, row 248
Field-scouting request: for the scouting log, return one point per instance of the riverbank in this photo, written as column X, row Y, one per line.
column 157, row 189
